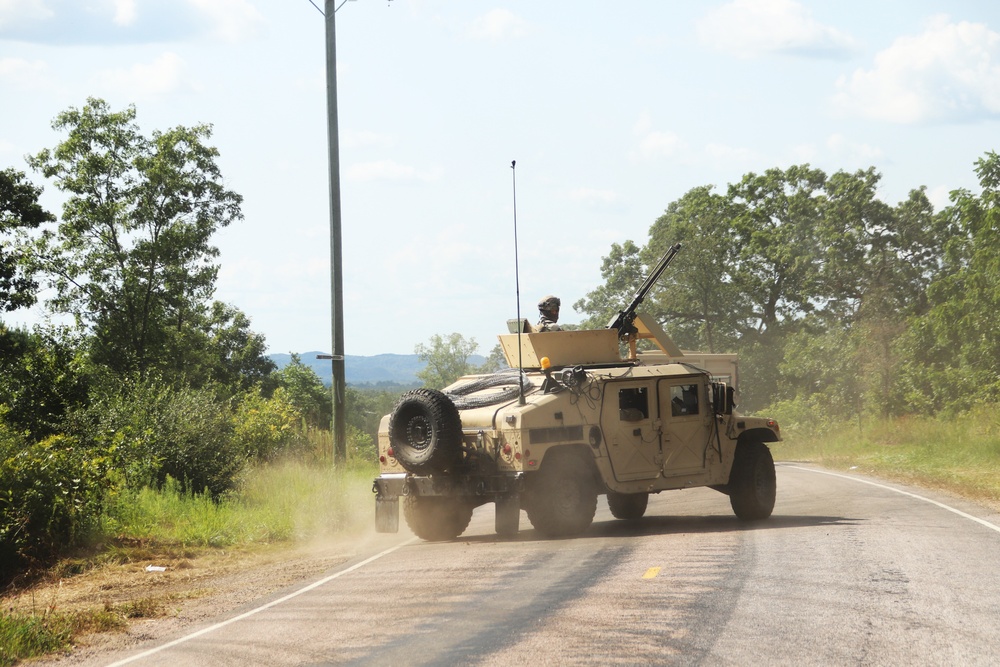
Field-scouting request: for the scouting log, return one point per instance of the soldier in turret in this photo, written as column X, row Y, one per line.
column 548, row 314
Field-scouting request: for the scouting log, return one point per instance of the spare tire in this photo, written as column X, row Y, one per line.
column 425, row 432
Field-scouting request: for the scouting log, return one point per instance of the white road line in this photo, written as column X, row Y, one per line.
column 960, row 513
column 315, row 584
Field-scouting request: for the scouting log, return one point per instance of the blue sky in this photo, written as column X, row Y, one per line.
column 612, row 111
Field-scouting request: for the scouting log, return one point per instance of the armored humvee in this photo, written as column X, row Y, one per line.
column 578, row 415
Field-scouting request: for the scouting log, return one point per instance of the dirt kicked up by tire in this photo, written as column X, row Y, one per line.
column 436, row 518
column 563, row 499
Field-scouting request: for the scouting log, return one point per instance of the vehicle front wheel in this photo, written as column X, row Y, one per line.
column 562, row 498
column 627, row 505
column 752, row 485
column 436, row 518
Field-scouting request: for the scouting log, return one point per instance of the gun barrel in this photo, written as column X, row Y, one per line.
column 623, row 320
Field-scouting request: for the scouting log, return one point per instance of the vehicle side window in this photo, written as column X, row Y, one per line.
column 684, row 400
column 633, row 404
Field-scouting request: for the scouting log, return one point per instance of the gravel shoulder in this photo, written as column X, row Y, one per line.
column 191, row 589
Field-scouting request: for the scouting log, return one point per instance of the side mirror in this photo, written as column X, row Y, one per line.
column 723, row 398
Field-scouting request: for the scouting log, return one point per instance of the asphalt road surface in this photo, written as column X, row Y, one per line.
column 848, row 571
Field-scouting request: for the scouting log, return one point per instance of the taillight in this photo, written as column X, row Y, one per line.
column 390, row 453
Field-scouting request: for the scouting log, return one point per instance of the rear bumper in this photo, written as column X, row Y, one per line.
column 481, row 487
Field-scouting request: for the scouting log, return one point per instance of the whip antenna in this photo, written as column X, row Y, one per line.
column 517, row 289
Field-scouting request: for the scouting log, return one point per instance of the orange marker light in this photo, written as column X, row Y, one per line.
column 546, row 363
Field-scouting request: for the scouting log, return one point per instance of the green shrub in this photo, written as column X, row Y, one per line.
column 268, row 427
column 41, row 379
column 154, row 431
column 51, row 495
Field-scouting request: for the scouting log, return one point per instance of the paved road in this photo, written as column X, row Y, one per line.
column 846, row 572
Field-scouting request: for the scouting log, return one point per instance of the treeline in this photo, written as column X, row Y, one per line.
column 154, row 380
column 839, row 304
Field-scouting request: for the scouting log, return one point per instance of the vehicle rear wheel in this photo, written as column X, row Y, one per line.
column 563, row 498
column 436, row 518
column 425, row 431
column 627, row 505
column 752, row 485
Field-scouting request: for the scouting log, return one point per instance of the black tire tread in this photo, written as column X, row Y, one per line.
column 752, row 484
column 436, row 518
column 627, row 506
column 548, row 511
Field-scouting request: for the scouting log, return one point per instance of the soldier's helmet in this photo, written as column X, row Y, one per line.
column 548, row 303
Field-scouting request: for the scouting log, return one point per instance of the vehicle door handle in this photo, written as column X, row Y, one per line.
column 637, row 432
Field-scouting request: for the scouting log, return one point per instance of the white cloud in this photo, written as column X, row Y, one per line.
column 24, row 73
column 389, row 170
column 652, row 143
column 950, row 72
column 597, row 199
column 750, row 28
column 125, row 12
column 233, row 20
column 843, row 148
column 725, row 154
column 658, row 144
column 17, row 13
column 163, row 75
column 940, row 196
column 498, row 25
column 365, row 139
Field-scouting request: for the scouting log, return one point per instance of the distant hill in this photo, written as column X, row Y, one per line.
column 386, row 369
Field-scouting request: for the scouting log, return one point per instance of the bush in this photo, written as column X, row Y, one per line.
column 268, row 427
column 51, row 495
column 153, row 431
column 41, row 379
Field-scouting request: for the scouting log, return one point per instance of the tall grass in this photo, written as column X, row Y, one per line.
column 288, row 500
column 284, row 501
column 957, row 453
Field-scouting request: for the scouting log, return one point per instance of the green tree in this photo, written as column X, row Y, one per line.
column 446, row 359
column 304, row 390
column 42, row 378
column 623, row 272
column 778, row 250
column 953, row 350
column 131, row 258
column 19, row 210
column 696, row 299
column 496, row 361
column 220, row 349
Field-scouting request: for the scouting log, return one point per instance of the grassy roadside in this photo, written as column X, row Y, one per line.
column 957, row 454
column 282, row 503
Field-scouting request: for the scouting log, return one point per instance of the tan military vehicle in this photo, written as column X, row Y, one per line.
column 590, row 416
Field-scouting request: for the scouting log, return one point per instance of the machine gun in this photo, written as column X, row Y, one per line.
column 624, row 320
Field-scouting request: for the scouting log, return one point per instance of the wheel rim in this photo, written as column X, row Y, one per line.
column 418, row 432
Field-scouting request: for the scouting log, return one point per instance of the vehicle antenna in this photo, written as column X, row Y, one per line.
column 517, row 290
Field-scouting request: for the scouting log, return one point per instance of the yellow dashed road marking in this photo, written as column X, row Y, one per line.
column 651, row 573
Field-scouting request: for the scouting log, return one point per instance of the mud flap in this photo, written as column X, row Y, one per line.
column 508, row 515
column 386, row 515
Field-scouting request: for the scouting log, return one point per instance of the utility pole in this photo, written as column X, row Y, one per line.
column 336, row 256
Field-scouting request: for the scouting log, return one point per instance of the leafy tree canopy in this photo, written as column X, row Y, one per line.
column 447, row 359
column 19, row 210
column 131, row 258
